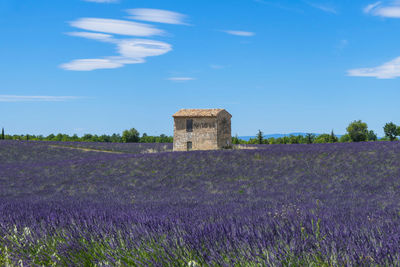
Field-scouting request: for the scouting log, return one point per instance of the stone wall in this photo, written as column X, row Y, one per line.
column 224, row 130
column 203, row 137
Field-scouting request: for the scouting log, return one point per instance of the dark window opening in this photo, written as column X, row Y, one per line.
column 189, row 146
column 189, row 125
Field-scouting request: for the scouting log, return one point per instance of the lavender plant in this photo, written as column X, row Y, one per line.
column 320, row 204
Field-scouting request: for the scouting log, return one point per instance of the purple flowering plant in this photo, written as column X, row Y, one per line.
column 98, row 204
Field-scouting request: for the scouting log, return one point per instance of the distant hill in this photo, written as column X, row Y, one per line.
column 247, row 138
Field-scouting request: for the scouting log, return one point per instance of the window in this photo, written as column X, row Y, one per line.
column 189, row 125
column 189, row 146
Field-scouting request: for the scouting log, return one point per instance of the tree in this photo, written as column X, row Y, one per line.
column 130, row 136
column 104, row 138
column 86, row 138
column 163, row 139
column 284, row 140
column 310, row 138
column 345, row 138
column 2, row 133
column 252, row 141
column 322, row 138
column 358, row 131
column 391, row 131
column 372, row 136
column 260, row 137
column 333, row 138
column 116, row 138
column 235, row 140
column 293, row 139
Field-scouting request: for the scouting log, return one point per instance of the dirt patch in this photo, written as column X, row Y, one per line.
column 89, row 149
column 244, row 147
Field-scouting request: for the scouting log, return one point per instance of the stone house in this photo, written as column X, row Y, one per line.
column 202, row 129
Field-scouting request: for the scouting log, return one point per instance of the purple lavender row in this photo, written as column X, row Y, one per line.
column 323, row 203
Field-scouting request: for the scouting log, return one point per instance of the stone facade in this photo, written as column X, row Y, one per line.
column 202, row 129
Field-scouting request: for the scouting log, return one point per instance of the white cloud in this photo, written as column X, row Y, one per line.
column 370, row 7
column 240, row 33
column 20, row 98
column 140, row 48
column 91, row 64
column 157, row 15
column 132, row 51
column 388, row 70
column 126, row 60
column 115, row 26
column 325, row 8
column 129, row 48
column 181, row 79
column 102, row 1
column 391, row 10
column 93, row 35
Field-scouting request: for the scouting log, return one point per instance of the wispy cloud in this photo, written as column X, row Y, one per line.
column 370, row 7
column 94, row 36
column 391, row 69
column 129, row 48
column 324, row 7
column 103, row 1
column 390, row 10
column 91, row 64
column 140, row 48
column 181, row 79
column 115, row 26
column 240, row 33
column 157, row 15
column 388, row 70
column 20, row 98
column 130, row 51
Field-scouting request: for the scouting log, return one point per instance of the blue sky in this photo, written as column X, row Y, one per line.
column 102, row 66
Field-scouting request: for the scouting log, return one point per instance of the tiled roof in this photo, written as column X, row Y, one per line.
column 198, row 112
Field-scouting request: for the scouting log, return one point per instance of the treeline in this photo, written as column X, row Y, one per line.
column 128, row 136
column 357, row 131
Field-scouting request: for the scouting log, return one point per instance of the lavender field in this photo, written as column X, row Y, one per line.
column 75, row 204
